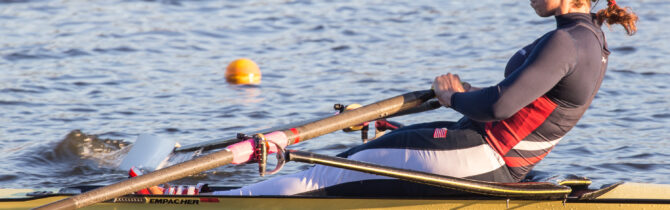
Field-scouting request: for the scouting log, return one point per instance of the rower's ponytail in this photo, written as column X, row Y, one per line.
column 614, row 14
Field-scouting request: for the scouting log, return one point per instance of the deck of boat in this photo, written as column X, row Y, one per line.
column 619, row 196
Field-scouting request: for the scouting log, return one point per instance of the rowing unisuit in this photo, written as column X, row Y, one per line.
column 505, row 131
column 548, row 86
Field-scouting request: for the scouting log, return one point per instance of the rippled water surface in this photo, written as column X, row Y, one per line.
column 116, row 69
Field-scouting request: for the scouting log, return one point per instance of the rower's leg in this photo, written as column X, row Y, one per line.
column 458, row 153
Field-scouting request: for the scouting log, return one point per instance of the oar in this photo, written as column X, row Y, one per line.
column 222, row 143
column 525, row 190
column 150, row 152
column 241, row 152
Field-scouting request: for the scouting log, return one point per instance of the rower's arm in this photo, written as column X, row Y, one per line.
column 551, row 60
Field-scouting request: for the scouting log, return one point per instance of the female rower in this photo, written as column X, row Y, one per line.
column 506, row 129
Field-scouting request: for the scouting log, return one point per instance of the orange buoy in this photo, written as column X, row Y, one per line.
column 243, row 71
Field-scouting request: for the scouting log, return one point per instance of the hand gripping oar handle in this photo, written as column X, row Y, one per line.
column 529, row 190
column 294, row 135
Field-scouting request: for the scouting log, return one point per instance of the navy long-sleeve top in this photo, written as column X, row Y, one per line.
column 548, row 86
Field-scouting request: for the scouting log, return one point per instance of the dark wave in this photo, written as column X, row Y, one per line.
column 16, row 56
column 78, row 158
column 645, row 73
column 36, row 54
column 18, row 90
column 19, row 103
column 79, row 145
column 121, row 49
column 624, row 49
column 13, row 1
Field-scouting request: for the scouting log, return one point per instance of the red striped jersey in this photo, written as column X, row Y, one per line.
column 548, row 86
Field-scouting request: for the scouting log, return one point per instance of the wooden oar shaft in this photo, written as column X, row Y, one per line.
column 425, row 106
column 221, row 143
column 164, row 175
column 357, row 116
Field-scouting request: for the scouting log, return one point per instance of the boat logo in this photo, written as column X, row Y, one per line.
column 174, row 201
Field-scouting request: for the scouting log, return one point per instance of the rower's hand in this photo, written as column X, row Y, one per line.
column 445, row 86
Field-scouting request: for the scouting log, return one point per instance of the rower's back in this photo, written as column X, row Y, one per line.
column 584, row 54
column 548, row 86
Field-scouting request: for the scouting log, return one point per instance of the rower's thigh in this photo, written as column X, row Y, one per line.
column 438, row 124
column 314, row 178
column 458, row 153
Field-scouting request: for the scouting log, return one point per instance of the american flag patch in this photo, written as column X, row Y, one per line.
column 440, row 133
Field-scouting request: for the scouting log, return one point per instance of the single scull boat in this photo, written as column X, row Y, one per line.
column 618, row 196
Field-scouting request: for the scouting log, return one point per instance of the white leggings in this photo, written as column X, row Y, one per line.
column 419, row 148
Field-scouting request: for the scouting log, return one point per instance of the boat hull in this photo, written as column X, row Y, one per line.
column 616, row 196
column 291, row 202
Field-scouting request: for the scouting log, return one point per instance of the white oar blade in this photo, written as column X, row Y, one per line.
column 148, row 153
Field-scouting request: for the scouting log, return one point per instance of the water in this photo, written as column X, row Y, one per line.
column 115, row 69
